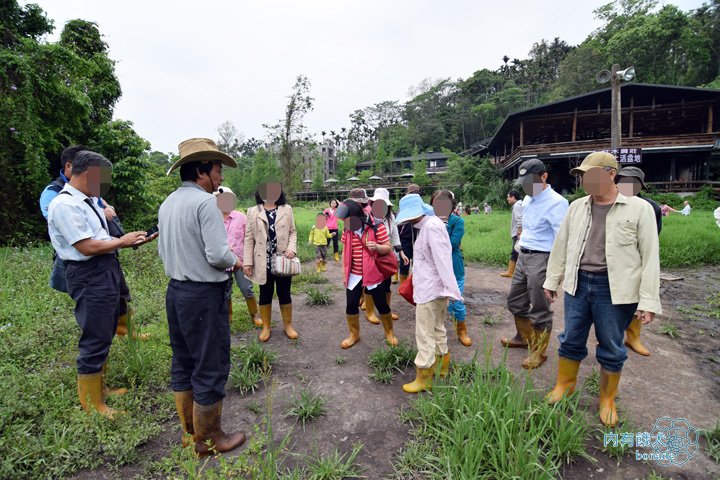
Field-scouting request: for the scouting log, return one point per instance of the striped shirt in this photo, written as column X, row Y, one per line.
column 357, row 246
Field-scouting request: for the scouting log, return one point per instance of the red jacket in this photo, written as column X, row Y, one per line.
column 371, row 274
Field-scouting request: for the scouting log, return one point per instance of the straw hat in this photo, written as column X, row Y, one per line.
column 201, row 150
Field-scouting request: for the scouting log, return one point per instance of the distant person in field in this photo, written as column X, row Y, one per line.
column 543, row 212
column 235, row 224
column 407, row 238
column 686, row 208
column 443, row 203
column 332, row 224
column 607, row 256
column 434, row 283
column 514, row 199
column 630, row 182
column 487, row 209
column 80, row 236
column 319, row 236
column 716, row 213
column 196, row 255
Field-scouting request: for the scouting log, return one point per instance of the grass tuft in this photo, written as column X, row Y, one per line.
column 712, row 437
column 316, row 297
column 669, row 329
column 308, row 406
column 388, row 360
column 250, row 363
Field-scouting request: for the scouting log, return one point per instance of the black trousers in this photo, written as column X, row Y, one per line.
column 407, row 248
column 353, row 299
column 283, row 285
column 197, row 314
column 94, row 285
column 513, row 253
column 334, row 240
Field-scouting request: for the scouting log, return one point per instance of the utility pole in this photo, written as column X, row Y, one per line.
column 615, row 109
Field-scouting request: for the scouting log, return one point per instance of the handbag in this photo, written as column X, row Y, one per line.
column 386, row 264
column 406, row 290
column 281, row 266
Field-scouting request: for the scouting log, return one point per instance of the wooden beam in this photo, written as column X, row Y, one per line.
column 631, row 128
column 710, row 119
column 522, row 134
column 574, row 127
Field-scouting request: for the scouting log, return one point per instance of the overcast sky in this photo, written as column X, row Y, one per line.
column 186, row 66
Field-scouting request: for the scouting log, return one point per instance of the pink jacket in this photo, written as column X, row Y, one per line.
column 433, row 275
column 371, row 275
column 235, row 228
column 331, row 218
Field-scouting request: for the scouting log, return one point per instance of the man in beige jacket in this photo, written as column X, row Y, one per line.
column 607, row 251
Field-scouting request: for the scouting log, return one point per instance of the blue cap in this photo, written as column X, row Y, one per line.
column 412, row 207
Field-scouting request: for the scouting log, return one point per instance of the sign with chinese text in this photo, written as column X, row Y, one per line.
column 627, row 156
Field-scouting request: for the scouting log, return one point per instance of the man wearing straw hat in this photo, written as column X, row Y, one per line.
column 194, row 249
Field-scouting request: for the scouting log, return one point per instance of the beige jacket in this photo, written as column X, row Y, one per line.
column 631, row 250
column 256, row 238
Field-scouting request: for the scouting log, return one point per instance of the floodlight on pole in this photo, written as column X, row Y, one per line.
column 615, row 76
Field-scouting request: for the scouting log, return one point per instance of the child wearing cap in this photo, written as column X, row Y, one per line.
column 319, row 236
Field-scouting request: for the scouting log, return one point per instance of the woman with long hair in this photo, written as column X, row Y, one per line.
column 270, row 230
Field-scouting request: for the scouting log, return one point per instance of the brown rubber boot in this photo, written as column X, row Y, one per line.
column 206, row 424
column 184, row 407
column 90, row 392
column 538, row 344
column 510, row 270
column 632, row 337
column 386, row 320
column 461, row 328
column 122, row 326
column 423, row 380
column 361, row 305
column 520, row 340
column 111, row 391
column 252, row 307
column 609, row 382
column 370, row 309
column 353, row 322
column 266, row 316
column 388, row 298
column 566, row 380
column 286, row 312
column 444, row 362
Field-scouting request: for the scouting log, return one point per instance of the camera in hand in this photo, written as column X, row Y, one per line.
column 152, row 231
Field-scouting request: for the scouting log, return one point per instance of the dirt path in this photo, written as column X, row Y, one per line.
column 673, row 381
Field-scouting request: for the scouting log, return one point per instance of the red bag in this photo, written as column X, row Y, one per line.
column 387, row 264
column 406, row 290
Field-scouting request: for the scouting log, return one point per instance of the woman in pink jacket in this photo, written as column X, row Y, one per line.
column 363, row 239
column 332, row 225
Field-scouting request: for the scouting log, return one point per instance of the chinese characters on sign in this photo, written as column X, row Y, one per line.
column 627, row 156
column 672, row 442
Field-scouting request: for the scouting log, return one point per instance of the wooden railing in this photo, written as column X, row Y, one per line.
column 604, row 143
column 684, row 185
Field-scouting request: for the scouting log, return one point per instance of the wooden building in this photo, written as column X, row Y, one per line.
column 674, row 130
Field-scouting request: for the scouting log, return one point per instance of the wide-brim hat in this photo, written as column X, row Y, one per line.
column 381, row 194
column 358, row 195
column 633, row 172
column 201, row 150
column 412, row 207
column 596, row 160
column 224, row 189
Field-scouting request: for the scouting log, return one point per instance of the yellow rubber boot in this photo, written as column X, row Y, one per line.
column 423, row 380
column 370, row 310
column 537, row 346
column 318, row 266
column 122, row 326
column 353, row 322
column 90, row 392
column 254, row 312
column 566, row 380
column 510, row 270
column 444, row 362
column 388, row 298
column 387, row 323
column 111, row 391
column 609, row 382
column 395, row 278
column 523, row 325
column 461, row 328
column 266, row 317
column 286, row 311
column 361, row 305
column 337, row 257
column 632, row 337
column 184, row 407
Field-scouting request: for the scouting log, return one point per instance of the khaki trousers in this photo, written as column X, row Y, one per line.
column 430, row 334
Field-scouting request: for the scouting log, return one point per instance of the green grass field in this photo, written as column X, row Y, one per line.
column 44, row 434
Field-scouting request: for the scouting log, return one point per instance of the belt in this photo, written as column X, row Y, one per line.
column 597, row 274
column 525, row 250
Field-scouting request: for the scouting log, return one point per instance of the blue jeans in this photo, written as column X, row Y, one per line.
column 591, row 304
column 457, row 309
